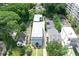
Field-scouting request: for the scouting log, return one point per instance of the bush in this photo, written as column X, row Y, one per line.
column 55, row 49
column 28, row 50
column 57, row 23
column 77, row 30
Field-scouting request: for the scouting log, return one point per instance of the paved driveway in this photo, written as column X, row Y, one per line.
column 51, row 30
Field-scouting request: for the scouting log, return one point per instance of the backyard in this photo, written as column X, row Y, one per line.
column 17, row 52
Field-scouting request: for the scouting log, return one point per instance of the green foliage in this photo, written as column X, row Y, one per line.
column 10, row 20
column 31, row 14
column 28, row 50
column 55, row 49
column 19, row 51
column 22, row 51
column 75, row 51
column 77, row 30
column 53, row 8
column 7, row 39
column 13, row 18
column 20, row 9
column 73, row 23
column 57, row 22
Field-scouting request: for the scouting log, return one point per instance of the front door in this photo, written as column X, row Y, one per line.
column 37, row 44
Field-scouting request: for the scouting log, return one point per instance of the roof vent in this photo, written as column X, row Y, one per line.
column 70, row 33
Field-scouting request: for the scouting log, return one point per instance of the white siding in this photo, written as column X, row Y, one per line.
column 68, row 36
column 36, row 39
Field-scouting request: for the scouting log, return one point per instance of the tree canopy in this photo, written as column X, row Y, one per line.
column 55, row 49
column 28, row 49
column 21, row 9
column 53, row 8
column 9, row 22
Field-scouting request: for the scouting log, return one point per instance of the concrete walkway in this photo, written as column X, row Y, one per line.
column 44, row 52
column 36, row 52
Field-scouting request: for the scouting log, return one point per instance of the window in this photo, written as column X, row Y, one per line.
column 41, row 19
column 69, row 39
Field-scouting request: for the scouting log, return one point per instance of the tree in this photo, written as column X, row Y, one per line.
column 57, row 22
column 21, row 9
column 7, row 39
column 55, row 49
column 53, row 8
column 77, row 29
column 9, row 23
column 28, row 49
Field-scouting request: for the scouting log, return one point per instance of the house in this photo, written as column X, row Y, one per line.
column 73, row 10
column 69, row 37
column 38, row 18
column 37, row 36
column 21, row 39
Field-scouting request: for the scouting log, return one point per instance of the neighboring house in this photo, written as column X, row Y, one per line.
column 2, row 48
column 21, row 39
column 37, row 31
column 73, row 10
column 69, row 37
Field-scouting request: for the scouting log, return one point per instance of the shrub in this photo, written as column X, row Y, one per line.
column 57, row 23
column 28, row 50
column 55, row 49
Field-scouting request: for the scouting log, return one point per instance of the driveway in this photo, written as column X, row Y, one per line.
column 51, row 30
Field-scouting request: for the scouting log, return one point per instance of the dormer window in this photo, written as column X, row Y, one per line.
column 41, row 19
column 69, row 39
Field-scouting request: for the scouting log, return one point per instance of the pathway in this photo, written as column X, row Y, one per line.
column 36, row 52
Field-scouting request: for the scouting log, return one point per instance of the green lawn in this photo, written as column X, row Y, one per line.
column 39, row 53
column 15, row 52
column 33, row 52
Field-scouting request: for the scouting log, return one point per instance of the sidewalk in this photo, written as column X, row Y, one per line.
column 44, row 52
column 36, row 52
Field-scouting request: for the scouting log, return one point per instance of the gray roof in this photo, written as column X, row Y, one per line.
column 21, row 37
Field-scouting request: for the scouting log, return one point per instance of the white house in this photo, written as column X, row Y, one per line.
column 69, row 37
column 38, row 18
column 37, row 31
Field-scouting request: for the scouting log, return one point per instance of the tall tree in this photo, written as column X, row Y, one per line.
column 54, row 8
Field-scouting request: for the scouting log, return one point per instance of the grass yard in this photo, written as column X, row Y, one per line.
column 40, row 52
column 33, row 52
column 15, row 52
